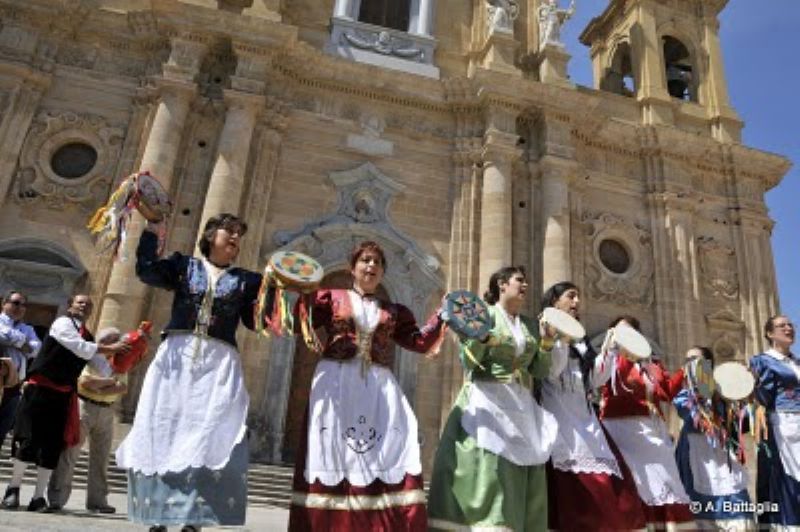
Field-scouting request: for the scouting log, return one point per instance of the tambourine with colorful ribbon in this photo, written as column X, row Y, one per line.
column 140, row 191
column 287, row 272
column 466, row 314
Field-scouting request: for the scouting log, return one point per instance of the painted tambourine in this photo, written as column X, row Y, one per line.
column 734, row 381
column 628, row 340
column 466, row 314
column 701, row 377
column 565, row 325
column 153, row 202
column 296, row 271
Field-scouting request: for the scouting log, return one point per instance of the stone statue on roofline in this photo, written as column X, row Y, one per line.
column 502, row 14
column 551, row 18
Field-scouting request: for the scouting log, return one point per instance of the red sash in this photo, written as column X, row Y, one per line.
column 72, row 430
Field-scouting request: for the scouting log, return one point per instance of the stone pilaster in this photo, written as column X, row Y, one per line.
column 726, row 124
column 499, row 153
column 17, row 116
column 556, row 176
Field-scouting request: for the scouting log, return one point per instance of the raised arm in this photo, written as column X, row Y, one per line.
column 162, row 273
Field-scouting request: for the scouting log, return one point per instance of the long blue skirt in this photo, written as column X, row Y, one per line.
column 194, row 496
column 777, row 492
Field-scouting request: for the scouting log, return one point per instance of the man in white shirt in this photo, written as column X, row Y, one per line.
column 18, row 341
column 47, row 417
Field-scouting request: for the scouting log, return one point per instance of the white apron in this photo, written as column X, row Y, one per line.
column 504, row 419
column 361, row 428
column 192, row 409
column 786, row 431
column 714, row 474
column 647, row 449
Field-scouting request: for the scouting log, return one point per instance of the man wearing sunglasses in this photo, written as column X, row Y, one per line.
column 19, row 342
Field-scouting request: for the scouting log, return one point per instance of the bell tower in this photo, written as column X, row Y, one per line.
column 666, row 54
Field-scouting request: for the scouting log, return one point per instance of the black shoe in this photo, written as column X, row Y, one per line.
column 158, row 528
column 38, row 504
column 54, row 508
column 103, row 509
column 190, row 528
column 10, row 499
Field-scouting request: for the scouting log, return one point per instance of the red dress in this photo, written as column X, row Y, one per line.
column 342, row 498
column 631, row 412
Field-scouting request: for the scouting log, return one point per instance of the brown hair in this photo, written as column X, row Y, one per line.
column 630, row 320
column 363, row 247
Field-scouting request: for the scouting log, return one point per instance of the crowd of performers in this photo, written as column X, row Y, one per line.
column 546, row 432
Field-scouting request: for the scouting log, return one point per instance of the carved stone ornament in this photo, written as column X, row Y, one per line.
column 728, row 330
column 384, row 43
column 718, row 269
column 634, row 286
column 36, row 180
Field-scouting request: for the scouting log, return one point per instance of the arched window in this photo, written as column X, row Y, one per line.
column 394, row 14
column 619, row 76
column 680, row 73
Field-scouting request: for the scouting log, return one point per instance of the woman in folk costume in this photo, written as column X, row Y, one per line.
column 777, row 373
column 631, row 413
column 585, row 471
column 711, row 472
column 359, row 462
column 489, row 468
column 186, row 454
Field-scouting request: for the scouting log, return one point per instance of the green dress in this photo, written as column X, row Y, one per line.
column 472, row 486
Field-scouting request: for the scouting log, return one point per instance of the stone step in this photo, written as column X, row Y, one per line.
column 266, row 484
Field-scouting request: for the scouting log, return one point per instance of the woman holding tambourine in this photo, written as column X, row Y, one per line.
column 489, row 466
column 358, row 465
column 631, row 413
column 777, row 372
column 710, row 454
column 584, row 473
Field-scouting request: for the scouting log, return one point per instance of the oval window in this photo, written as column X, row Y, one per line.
column 73, row 160
column 614, row 256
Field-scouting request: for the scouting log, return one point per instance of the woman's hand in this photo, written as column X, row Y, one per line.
column 761, row 432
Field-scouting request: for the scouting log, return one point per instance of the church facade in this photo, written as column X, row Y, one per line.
column 446, row 130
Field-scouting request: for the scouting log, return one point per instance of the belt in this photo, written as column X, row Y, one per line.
column 92, row 401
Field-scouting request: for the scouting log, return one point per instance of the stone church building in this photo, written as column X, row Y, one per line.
column 447, row 130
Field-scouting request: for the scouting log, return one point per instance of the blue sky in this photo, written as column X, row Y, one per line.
column 763, row 74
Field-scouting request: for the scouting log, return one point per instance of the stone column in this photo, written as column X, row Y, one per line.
column 648, row 64
column 499, row 154
column 124, row 298
column 557, row 174
column 19, row 111
column 227, row 178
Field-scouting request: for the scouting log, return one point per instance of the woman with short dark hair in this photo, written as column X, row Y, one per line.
column 489, row 468
column 777, row 372
column 187, row 454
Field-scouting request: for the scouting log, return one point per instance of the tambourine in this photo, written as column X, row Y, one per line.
column 140, row 191
column 628, row 340
column 296, row 271
column 152, row 200
column 565, row 325
column 701, row 378
column 734, row 381
column 466, row 314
